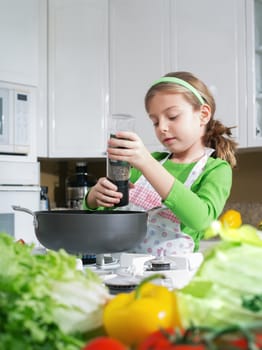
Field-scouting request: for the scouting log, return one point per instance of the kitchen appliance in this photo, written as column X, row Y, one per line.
column 77, row 186
column 19, row 184
column 17, row 103
column 92, row 232
column 125, row 270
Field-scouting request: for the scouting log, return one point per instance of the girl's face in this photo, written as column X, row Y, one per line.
column 177, row 126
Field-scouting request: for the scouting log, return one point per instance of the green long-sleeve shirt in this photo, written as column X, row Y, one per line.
column 203, row 202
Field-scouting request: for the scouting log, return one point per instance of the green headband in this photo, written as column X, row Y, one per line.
column 182, row 83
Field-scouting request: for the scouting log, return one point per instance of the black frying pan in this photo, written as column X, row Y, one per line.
column 89, row 232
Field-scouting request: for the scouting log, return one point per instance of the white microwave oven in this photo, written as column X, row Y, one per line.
column 15, row 119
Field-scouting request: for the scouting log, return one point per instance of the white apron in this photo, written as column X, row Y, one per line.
column 164, row 236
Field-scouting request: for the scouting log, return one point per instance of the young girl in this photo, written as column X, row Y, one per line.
column 190, row 183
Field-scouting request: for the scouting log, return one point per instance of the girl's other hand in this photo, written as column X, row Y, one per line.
column 104, row 194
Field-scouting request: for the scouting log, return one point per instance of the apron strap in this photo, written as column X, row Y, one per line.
column 198, row 168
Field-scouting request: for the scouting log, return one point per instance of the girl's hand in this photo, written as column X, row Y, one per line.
column 127, row 146
column 104, row 194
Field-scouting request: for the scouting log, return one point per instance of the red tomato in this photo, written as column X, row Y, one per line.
column 258, row 340
column 156, row 340
column 166, row 340
column 104, row 343
column 20, row 241
column 241, row 343
column 186, row 347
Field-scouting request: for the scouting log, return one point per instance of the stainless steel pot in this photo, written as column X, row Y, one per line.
column 89, row 232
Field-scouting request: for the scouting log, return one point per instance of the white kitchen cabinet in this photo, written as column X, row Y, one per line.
column 254, row 64
column 139, row 54
column 42, row 122
column 77, row 78
column 151, row 38
column 19, row 38
column 103, row 56
column 208, row 39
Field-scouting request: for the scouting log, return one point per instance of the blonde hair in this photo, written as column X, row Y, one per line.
column 217, row 135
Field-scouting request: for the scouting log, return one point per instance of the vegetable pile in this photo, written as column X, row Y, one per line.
column 220, row 309
column 227, row 289
column 45, row 303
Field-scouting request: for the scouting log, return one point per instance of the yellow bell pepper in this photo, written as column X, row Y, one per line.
column 131, row 317
column 231, row 219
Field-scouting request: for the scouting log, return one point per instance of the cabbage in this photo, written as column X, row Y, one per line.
column 45, row 302
column 227, row 289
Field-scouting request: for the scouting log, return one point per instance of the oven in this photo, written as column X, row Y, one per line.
column 19, row 185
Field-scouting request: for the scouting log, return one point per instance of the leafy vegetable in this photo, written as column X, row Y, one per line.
column 45, row 303
column 253, row 303
column 244, row 233
column 230, row 275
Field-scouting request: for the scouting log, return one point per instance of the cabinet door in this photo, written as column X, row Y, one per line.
column 209, row 39
column 254, row 64
column 139, row 54
column 42, row 88
column 78, row 77
column 19, row 34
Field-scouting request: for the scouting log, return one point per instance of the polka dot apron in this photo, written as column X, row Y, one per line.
column 164, row 236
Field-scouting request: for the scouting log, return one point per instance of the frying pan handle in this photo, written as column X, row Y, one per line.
column 18, row 208
column 28, row 211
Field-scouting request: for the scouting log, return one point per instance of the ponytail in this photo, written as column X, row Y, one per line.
column 219, row 137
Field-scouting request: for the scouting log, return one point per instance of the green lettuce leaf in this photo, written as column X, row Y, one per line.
column 45, row 302
column 227, row 288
